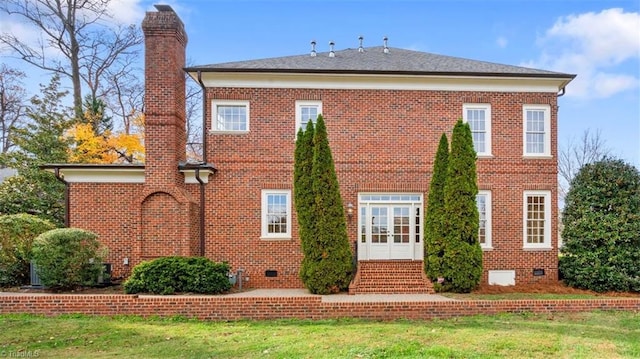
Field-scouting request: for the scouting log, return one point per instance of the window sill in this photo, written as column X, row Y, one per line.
column 537, row 157
column 486, row 155
column 486, row 249
column 277, row 239
column 228, row 132
column 534, row 249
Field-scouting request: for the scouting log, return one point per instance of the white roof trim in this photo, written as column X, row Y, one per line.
column 383, row 82
column 190, row 175
column 101, row 175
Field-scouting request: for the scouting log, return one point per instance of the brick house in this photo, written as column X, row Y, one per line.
column 385, row 109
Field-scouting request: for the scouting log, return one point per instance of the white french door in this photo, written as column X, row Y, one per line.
column 390, row 226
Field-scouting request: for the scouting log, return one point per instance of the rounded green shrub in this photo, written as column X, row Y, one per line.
column 67, row 258
column 601, row 232
column 17, row 232
column 169, row 275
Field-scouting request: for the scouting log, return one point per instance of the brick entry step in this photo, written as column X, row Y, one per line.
column 390, row 277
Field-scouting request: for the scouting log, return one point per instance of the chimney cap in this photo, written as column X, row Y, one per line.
column 163, row 7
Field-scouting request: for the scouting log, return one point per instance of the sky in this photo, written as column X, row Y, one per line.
column 599, row 41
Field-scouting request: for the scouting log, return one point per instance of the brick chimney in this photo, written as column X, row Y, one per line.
column 164, row 104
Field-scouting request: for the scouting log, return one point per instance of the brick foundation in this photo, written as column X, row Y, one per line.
column 310, row 307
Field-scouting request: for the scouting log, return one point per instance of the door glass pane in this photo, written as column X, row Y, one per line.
column 401, row 225
column 363, row 224
column 379, row 222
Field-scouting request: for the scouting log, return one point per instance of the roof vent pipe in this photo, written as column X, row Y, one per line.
column 331, row 52
column 386, row 48
column 313, row 48
column 360, row 48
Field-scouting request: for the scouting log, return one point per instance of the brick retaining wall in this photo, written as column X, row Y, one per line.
column 235, row 308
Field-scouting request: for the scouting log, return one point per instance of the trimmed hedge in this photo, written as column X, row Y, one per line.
column 17, row 232
column 67, row 258
column 169, row 275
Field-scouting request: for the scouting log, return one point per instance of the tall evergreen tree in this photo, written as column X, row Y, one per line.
column 434, row 226
column 462, row 260
column 329, row 255
column 601, row 233
column 303, row 196
column 41, row 141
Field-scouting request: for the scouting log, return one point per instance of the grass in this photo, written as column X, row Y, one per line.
column 578, row 335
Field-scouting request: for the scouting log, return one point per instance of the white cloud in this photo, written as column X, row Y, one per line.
column 502, row 42
column 126, row 11
column 598, row 47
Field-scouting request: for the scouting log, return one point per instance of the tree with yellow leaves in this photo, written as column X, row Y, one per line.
column 93, row 140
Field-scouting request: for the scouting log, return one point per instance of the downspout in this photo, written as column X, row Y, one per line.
column 202, row 236
column 204, row 161
column 66, row 196
column 204, row 117
column 562, row 92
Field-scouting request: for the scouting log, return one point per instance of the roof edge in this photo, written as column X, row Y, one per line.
column 374, row 72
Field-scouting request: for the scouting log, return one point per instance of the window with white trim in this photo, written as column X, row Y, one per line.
column 537, row 219
column 537, row 130
column 230, row 116
column 307, row 111
column 478, row 116
column 483, row 202
column 276, row 214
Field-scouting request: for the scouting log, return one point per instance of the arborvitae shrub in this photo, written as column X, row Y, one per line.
column 328, row 259
column 601, row 232
column 304, row 199
column 434, row 226
column 462, row 260
column 67, row 258
column 169, row 275
column 17, row 232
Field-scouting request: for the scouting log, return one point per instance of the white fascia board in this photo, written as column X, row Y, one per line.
column 190, row 175
column 102, row 175
column 383, row 82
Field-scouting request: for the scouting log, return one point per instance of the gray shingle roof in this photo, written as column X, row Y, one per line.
column 374, row 60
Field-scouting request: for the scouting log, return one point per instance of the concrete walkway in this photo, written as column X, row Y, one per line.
column 341, row 297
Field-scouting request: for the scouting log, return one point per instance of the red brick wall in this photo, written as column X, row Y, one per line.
column 230, row 308
column 382, row 141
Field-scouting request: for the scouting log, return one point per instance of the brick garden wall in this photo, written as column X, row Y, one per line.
column 230, row 308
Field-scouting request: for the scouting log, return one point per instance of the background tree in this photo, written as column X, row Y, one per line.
column 92, row 140
column 87, row 45
column 41, row 141
column 601, row 232
column 304, row 198
column 12, row 105
column 575, row 153
column 193, row 102
column 434, row 225
column 462, row 260
column 328, row 268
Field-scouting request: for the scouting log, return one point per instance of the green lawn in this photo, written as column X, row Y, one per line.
column 582, row 335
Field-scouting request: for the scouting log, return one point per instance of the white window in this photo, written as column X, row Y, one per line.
column 478, row 116
column 537, row 131
column 307, row 111
column 483, row 201
column 276, row 214
column 537, row 219
column 230, row 116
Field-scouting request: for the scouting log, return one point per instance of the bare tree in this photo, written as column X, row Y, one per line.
column 589, row 147
column 12, row 105
column 77, row 31
column 193, row 102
